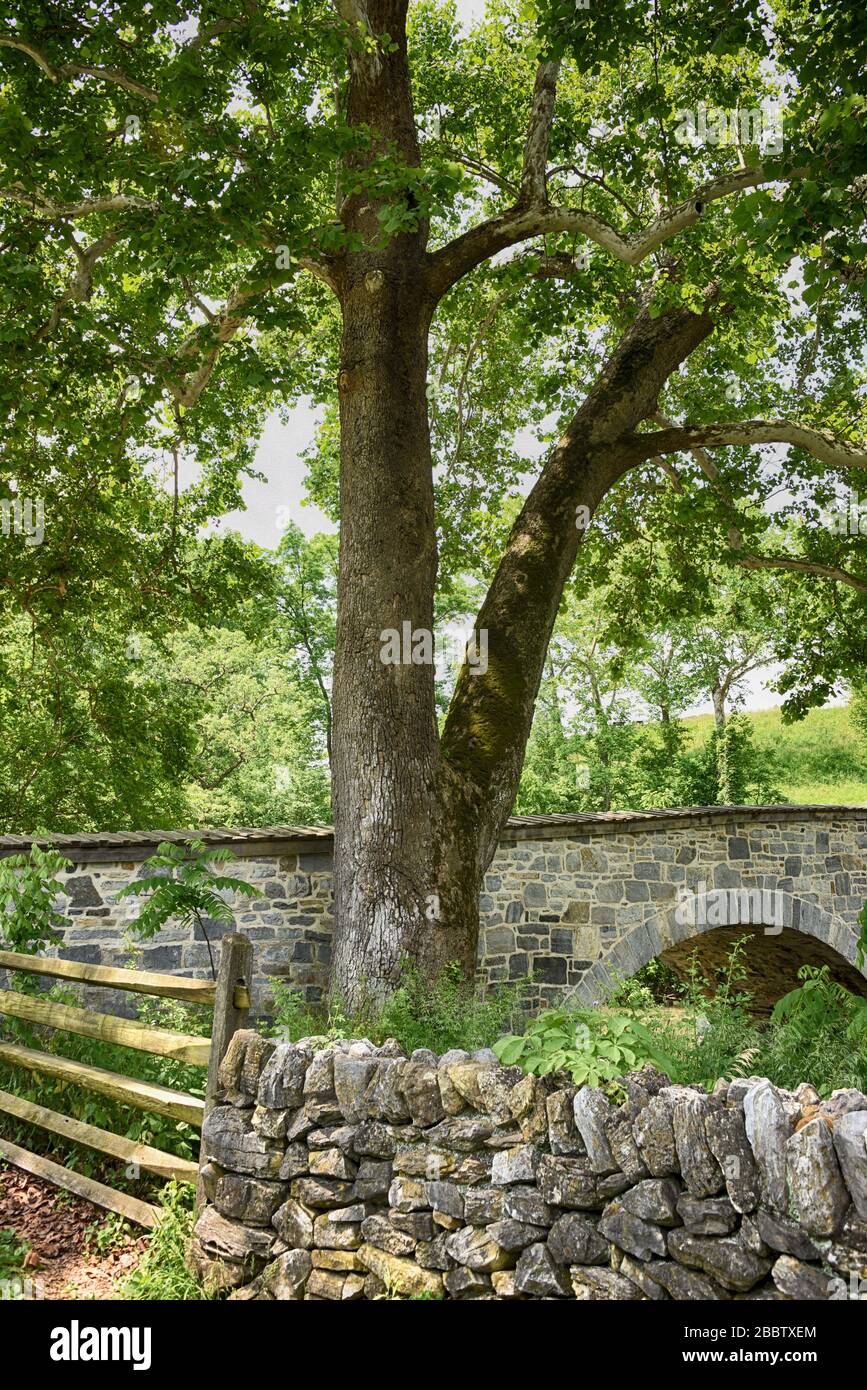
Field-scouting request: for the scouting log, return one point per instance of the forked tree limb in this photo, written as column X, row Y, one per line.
column 523, row 221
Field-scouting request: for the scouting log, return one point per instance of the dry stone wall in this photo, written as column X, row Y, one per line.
column 346, row 1171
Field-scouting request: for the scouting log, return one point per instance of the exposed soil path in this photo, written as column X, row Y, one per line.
column 61, row 1231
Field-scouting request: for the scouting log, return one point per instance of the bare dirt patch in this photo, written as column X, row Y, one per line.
column 60, row 1230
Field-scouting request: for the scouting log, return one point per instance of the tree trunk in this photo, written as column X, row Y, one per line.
column 406, row 871
column 417, row 817
column 723, row 772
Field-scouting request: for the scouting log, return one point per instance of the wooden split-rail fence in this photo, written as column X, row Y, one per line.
column 229, row 997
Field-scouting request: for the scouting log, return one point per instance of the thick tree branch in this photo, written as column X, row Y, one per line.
column 491, row 712
column 322, row 270
column 354, row 12
column 702, row 458
column 822, row 444
column 521, row 222
column 707, row 466
column 533, row 185
column 789, row 562
column 22, row 46
column 103, row 74
column 113, row 76
column 57, row 212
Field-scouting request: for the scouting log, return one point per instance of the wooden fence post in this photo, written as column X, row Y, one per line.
column 231, row 1008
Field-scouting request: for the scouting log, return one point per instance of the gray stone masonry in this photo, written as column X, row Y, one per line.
column 576, row 902
column 345, row 1171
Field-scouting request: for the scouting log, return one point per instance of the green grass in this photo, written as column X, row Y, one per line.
column 440, row 1016
column 162, row 1274
column 821, row 759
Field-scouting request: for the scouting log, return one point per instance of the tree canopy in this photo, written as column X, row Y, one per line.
column 580, row 293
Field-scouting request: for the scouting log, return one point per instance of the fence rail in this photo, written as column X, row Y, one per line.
column 116, row 1145
column 109, row 977
column 228, row 996
column 183, row 1047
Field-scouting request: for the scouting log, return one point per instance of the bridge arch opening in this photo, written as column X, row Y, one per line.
column 770, row 963
column 780, row 935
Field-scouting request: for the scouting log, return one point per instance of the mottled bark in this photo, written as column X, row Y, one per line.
column 385, row 746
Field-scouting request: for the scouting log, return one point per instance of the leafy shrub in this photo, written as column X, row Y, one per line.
column 12, row 1252
column 591, row 1045
column 447, row 1014
column 861, row 943
column 296, row 1017
column 185, row 887
column 818, row 1034
column 29, row 888
column 707, row 1038
column 713, row 1033
column 441, row 1016
column 654, row 983
column 107, row 1233
column 162, row 1274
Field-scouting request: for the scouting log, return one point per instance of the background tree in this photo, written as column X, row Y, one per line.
column 259, row 755
column 306, row 623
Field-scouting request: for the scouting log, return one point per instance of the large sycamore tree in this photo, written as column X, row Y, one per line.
column 635, row 227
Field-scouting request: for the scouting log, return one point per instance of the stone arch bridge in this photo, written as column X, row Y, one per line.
column 577, row 902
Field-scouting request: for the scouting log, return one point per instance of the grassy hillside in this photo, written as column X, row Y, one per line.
column 823, row 758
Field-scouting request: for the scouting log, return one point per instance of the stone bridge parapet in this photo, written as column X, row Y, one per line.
column 576, row 902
